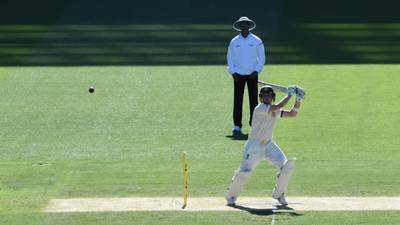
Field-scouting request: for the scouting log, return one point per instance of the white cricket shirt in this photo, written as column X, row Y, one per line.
column 245, row 55
column 263, row 123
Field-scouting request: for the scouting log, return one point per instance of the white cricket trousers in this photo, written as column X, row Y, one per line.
column 255, row 151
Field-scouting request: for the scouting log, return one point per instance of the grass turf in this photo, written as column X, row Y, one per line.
column 183, row 218
column 57, row 140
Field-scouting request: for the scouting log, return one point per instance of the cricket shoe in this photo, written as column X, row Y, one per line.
column 231, row 201
column 236, row 129
column 282, row 200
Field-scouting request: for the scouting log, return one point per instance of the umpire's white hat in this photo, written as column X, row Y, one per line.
column 244, row 19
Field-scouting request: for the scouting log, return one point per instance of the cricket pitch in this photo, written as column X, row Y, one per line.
column 219, row 204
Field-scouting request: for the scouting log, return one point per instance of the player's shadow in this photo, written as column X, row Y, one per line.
column 282, row 210
column 238, row 136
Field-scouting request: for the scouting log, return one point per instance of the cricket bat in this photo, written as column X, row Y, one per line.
column 276, row 87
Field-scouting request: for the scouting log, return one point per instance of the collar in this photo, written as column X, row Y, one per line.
column 240, row 35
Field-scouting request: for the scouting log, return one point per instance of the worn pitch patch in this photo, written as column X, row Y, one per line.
column 219, row 204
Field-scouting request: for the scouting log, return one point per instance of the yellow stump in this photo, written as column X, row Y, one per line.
column 185, row 179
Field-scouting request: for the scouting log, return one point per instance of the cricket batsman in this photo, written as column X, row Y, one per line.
column 261, row 145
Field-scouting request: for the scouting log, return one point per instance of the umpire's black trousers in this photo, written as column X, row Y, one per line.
column 252, row 88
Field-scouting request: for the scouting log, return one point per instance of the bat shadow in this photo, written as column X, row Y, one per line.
column 283, row 210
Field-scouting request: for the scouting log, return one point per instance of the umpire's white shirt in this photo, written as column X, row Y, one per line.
column 263, row 123
column 245, row 55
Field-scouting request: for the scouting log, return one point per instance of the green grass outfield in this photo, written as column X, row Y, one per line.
column 126, row 139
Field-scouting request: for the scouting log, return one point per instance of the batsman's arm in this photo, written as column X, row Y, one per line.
column 293, row 112
column 276, row 87
column 282, row 103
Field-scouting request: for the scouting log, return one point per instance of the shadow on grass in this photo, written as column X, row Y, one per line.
column 194, row 44
column 238, row 136
column 135, row 44
column 268, row 211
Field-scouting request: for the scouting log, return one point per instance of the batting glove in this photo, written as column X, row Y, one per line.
column 296, row 89
column 299, row 90
column 291, row 90
column 300, row 94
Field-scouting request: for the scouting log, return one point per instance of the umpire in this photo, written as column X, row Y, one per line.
column 246, row 58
